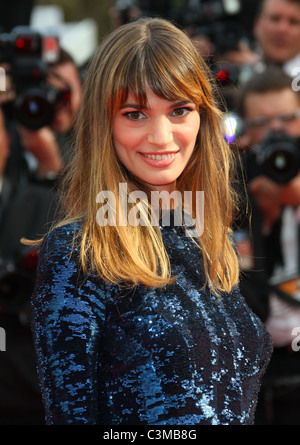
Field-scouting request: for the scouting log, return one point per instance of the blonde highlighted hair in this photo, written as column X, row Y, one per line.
column 148, row 53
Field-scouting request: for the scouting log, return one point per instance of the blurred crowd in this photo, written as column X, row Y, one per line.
column 253, row 50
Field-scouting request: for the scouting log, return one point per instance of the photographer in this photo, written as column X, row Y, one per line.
column 270, row 109
column 45, row 93
column 25, row 210
column 50, row 146
column 277, row 31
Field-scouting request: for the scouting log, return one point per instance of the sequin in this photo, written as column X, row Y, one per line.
column 171, row 356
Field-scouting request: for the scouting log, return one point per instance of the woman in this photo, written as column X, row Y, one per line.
column 136, row 321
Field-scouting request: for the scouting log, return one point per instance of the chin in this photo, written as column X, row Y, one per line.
column 168, row 186
column 279, row 57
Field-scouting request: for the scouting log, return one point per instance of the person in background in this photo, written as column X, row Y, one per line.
column 270, row 108
column 4, row 146
column 26, row 209
column 276, row 30
column 51, row 146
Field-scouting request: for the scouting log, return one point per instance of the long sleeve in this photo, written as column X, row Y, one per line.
column 175, row 355
column 68, row 315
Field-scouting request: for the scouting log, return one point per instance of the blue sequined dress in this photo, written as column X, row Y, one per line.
column 171, row 356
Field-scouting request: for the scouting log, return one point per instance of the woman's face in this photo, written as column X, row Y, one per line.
column 155, row 142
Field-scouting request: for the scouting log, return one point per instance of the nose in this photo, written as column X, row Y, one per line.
column 160, row 132
column 276, row 125
column 282, row 26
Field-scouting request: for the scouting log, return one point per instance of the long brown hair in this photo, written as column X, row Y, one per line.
column 148, row 53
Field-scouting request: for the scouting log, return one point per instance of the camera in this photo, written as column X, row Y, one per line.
column 27, row 53
column 225, row 36
column 17, row 281
column 277, row 157
column 218, row 20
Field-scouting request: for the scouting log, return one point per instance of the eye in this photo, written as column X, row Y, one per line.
column 287, row 117
column 258, row 122
column 294, row 22
column 180, row 112
column 134, row 115
column 274, row 18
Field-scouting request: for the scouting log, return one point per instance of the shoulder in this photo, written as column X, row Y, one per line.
column 59, row 250
column 62, row 240
column 60, row 281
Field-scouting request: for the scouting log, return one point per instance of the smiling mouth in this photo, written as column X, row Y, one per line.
column 159, row 157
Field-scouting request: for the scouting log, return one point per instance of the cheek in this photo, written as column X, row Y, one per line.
column 189, row 140
column 126, row 140
column 293, row 128
column 267, row 27
column 191, row 132
column 75, row 102
column 122, row 146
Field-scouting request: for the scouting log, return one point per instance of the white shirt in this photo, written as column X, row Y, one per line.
column 284, row 318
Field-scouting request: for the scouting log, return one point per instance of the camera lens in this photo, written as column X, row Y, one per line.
column 281, row 161
column 34, row 107
column 33, row 110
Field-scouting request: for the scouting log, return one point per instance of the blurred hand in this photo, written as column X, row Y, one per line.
column 43, row 145
column 267, row 195
column 243, row 55
column 271, row 197
column 290, row 195
column 4, row 144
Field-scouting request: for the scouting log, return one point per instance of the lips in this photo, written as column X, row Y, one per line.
column 158, row 160
column 279, row 42
column 159, row 157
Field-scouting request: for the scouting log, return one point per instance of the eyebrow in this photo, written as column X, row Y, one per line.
column 144, row 107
